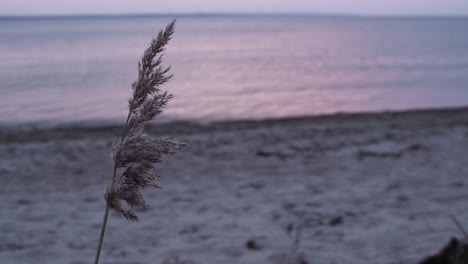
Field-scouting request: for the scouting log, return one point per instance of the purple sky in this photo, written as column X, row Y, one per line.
column 372, row 7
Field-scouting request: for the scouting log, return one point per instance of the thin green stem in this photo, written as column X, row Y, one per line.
column 103, row 227
column 106, row 214
column 101, row 237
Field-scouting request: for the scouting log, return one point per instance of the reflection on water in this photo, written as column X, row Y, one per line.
column 80, row 69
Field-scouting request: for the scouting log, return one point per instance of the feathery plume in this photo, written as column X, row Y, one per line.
column 137, row 153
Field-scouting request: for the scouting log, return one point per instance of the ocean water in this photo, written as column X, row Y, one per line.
column 79, row 69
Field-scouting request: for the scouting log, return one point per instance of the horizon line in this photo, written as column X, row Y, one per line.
column 228, row 14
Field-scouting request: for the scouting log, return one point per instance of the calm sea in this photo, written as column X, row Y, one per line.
column 79, row 69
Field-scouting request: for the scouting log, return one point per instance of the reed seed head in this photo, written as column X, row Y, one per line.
column 136, row 154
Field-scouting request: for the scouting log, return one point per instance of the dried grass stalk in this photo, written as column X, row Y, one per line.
column 136, row 153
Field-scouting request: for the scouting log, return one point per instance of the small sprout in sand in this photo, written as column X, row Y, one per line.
column 136, row 153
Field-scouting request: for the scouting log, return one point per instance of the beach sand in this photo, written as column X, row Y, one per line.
column 348, row 188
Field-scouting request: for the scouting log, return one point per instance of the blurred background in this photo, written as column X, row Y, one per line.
column 65, row 62
column 299, row 179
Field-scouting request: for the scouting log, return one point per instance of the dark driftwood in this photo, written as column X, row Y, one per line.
column 455, row 252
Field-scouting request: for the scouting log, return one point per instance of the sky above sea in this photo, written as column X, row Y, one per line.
column 359, row 7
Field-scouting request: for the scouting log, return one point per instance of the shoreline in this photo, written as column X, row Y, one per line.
column 34, row 132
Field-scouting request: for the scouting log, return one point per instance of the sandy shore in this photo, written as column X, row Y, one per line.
column 363, row 188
